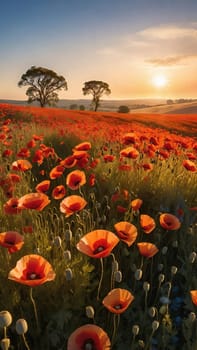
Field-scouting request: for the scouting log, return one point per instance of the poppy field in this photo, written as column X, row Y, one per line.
column 98, row 238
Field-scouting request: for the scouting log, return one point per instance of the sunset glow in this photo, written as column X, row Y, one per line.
column 159, row 81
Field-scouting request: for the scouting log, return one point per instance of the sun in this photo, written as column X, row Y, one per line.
column 159, row 81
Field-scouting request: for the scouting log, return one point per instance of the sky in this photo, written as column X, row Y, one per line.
column 141, row 48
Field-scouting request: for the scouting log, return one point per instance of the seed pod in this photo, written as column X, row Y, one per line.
column 21, row 326
column 5, row 343
column 192, row 317
column 155, row 325
column 173, row 270
column 160, row 267
column 135, row 329
column 138, row 274
column 115, row 266
column 89, row 311
column 152, row 311
column 161, row 277
column 57, row 242
column 164, row 250
column 192, row 257
column 67, row 255
column 5, row 319
column 175, row 244
column 118, row 276
column 68, row 235
column 146, row 286
column 141, row 343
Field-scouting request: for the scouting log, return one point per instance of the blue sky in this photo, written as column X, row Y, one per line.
column 141, row 48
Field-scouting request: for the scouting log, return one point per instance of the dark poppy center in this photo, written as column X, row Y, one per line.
column 8, row 241
column 33, row 276
column 98, row 249
column 118, row 306
column 89, row 345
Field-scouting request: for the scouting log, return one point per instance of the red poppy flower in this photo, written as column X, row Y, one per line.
column 75, row 179
column 24, row 153
column 43, row 186
column 98, row 243
column 147, row 223
column 118, row 300
column 14, row 178
column 56, row 172
column 83, row 146
column 59, row 192
column 92, row 179
column 126, row 231
column 21, row 165
column 125, row 167
column 136, row 204
column 121, row 209
column 129, row 138
column 82, row 158
column 28, row 229
column 37, row 201
column 32, row 270
column 38, row 157
column 147, row 249
column 189, row 165
column 193, row 294
column 169, row 221
column 72, row 204
column 11, row 240
column 31, row 144
column 69, row 162
column 129, row 152
column 89, row 336
column 108, row 158
column 7, row 153
column 147, row 166
column 11, row 206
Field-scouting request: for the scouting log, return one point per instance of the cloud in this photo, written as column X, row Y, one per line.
column 170, row 60
column 169, row 32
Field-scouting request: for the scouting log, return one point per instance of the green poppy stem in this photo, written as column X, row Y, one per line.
column 101, row 278
column 25, row 342
column 116, row 321
column 35, row 309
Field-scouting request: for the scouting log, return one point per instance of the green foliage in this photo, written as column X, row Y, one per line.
column 97, row 89
column 43, row 85
column 123, row 109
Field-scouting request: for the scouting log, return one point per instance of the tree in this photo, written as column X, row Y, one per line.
column 97, row 89
column 43, row 85
column 123, row 109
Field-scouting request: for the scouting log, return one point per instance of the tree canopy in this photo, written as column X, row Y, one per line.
column 97, row 89
column 43, row 85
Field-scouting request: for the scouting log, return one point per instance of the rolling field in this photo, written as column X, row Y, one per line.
column 98, row 237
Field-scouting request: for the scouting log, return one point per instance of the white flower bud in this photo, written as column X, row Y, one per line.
column 146, row 286
column 67, row 255
column 57, row 242
column 164, row 250
column 118, row 276
column 5, row 319
column 21, row 326
column 173, row 270
column 138, row 274
column 68, row 235
column 155, row 325
column 192, row 257
column 192, row 317
column 152, row 311
column 89, row 311
column 135, row 329
column 5, row 343
column 161, row 277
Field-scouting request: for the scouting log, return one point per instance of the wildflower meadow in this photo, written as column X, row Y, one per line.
column 98, row 238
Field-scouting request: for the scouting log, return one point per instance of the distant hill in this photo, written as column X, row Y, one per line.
column 175, row 108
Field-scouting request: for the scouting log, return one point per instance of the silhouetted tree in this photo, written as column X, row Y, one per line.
column 96, row 88
column 123, row 109
column 43, row 85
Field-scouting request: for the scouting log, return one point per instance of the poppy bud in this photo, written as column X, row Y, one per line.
column 67, row 255
column 5, row 344
column 164, row 250
column 57, row 242
column 173, row 270
column 141, row 344
column 5, row 319
column 118, row 276
column 21, row 326
column 152, row 311
column 192, row 317
column 68, row 235
column 161, row 277
column 146, row 286
column 160, row 267
column 89, row 311
column 138, row 274
column 155, row 325
column 192, row 257
column 135, row 329
column 69, row 274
